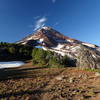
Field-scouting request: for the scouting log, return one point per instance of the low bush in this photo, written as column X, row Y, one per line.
column 50, row 59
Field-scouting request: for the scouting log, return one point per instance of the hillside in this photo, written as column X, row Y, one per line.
column 38, row 83
column 86, row 55
column 61, row 69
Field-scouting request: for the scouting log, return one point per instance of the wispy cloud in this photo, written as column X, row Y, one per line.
column 53, row 1
column 36, row 17
column 40, row 23
column 57, row 23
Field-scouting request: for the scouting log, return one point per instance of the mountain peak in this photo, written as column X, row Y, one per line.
column 46, row 27
column 52, row 40
column 51, row 37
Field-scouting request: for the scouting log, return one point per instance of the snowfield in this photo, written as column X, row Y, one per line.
column 11, row 64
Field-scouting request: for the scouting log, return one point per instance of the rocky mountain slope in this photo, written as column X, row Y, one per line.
column 86, row 55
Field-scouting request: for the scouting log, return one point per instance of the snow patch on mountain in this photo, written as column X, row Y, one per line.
column 89, row 45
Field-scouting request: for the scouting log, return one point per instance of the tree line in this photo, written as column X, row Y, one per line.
column 39, row 57
column 12, row 51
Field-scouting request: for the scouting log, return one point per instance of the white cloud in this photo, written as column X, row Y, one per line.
column 40, row 23
column 57, row 23
column 53, row 1
column 36, row 17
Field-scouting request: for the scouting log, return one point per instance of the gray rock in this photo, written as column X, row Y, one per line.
column 97, row 74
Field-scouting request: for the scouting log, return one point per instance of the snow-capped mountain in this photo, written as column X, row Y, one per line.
column 52, row 40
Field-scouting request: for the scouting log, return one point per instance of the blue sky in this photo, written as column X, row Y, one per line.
column 79, row 19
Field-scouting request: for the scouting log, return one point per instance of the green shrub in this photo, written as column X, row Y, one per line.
column 12, row 50
column 49, row 59
column 39, row 56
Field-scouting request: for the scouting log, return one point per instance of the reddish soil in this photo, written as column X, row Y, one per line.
column 38, row 83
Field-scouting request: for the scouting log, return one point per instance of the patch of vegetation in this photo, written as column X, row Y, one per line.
column 40, row 57
column 92, row 70
column 50, row 59
column 11, row 51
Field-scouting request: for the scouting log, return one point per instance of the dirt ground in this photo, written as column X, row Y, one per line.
column 38, row 83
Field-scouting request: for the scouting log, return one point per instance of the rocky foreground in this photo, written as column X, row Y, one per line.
column 38, row 83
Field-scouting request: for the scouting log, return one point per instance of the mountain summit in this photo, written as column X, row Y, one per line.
column 85, row 54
